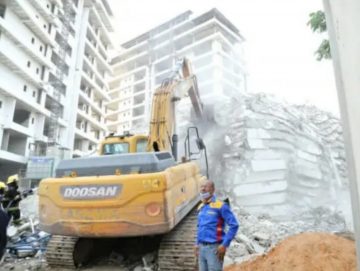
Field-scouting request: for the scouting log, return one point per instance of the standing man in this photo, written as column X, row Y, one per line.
column 212, row 241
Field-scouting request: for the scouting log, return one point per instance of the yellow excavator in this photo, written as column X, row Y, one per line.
column 134, row 188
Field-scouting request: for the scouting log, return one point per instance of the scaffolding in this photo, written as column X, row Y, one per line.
column 60, row 72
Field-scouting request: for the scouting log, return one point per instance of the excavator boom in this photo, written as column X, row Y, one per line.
column 180, row 84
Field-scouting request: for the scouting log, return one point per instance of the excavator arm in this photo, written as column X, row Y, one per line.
column 181, row 83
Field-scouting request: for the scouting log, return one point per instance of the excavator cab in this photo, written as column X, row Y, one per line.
column 121, row 144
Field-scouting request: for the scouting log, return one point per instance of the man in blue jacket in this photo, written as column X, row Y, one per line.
column 212, row 241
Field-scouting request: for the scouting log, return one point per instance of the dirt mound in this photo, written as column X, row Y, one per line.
column 305, row 252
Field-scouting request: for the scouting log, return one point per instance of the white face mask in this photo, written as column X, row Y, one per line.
column 205, row 195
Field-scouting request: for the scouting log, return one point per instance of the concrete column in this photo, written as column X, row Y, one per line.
column 9, row 109
column 343, row 17
column 5, row 140
column 76, row 72
column 1, row 135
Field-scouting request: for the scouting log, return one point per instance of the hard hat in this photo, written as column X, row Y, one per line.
column 2, row 185
column 12, row 179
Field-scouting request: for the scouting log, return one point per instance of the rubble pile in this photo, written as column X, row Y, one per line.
column 259, row 233
column 328, row 126
column 271, row 157
column 26, row 242
column 306, row 252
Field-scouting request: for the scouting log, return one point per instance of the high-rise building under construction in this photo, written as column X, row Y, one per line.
column 212, row 43
column 54, row 70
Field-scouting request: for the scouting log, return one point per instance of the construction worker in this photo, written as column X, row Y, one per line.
column 212, row 241
column 2, row 191
column 12, row 198
column 4, row 220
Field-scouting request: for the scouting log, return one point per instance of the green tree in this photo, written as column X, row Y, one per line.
column 317, row 23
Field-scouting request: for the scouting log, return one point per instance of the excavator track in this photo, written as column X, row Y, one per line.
column 59, row 252
column 68, row 251
column 176, row 250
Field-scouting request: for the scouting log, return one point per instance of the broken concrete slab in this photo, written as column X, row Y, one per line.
column 260, row 188
column 268, row 165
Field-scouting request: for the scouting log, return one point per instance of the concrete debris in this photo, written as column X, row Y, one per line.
column 26, row 242
column 305, row 252
column 29, row 206
column 271, row 157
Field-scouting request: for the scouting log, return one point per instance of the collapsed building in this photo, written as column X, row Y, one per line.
column 271, row 157
column 282, row 166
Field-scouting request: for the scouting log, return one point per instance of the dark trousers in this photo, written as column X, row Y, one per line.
column 4, row 221
column 15, row 214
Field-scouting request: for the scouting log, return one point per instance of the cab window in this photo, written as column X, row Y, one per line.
column 116, row 148
column 141, row 145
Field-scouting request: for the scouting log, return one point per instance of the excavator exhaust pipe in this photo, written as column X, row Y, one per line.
column 174, row 146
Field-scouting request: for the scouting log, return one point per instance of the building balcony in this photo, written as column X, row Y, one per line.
column 140, row 72
column 96, row 77
column 142, row 55
column 12, row 157
column 188, row 36
column 97, row 90
column 30, row 104
column 96, row 20
column 28, row 18
column 135, row 50
column 139, row 117
column 93, row 36
column 111, row 118
column 104, row 14
column 18, row 128
column 114, row 104
column 138, row 86
column 198, row 31
column 44, row 11
column 8, row 30
column 100, row 59
column 85, row 135
column 238, row 61
column 199, row 43
column 91, row 63
column 140, row 105
column 93, row 121
column 171, row 27
column 93, row 105
column 16, row 68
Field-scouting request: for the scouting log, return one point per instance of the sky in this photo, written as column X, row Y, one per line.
column 279, row 47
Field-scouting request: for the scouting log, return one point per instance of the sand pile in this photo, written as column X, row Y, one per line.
column 305, row 252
